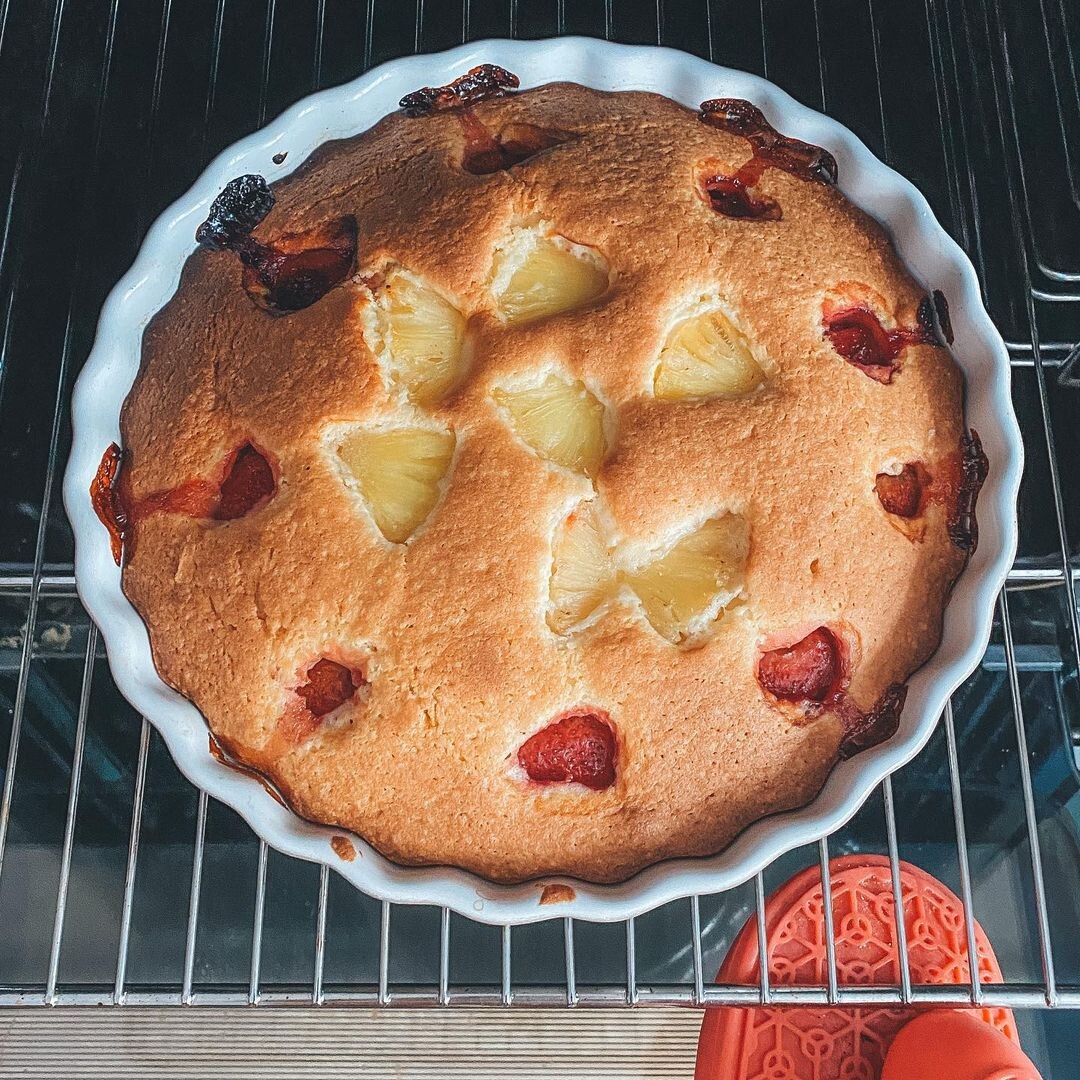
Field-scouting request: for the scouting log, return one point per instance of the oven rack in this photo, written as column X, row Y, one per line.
column 83, row 65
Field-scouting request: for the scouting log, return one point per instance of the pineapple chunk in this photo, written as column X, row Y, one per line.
column 398, row 472
column 582, row 574
column 685, row 589
column 560, row 420
column 424, row 339
column 704, row 357
column 552, row 276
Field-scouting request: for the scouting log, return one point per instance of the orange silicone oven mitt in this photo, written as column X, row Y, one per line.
column 951, row 1045
column 769, row 1043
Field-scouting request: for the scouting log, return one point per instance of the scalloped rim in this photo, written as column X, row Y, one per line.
column 932, row 256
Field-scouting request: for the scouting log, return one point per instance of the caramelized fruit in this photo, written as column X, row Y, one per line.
column 812, row 673
column 399, row 472
column 578, row 748
column 732, row 194
column 904, row 493
column 248, row 483
column 865, row 729
column 706, row 356
column 475, row 85
column 105, row 498
column 291, row 272
column 247, row 480
column 973, row 468
column 329, row 685
column 810, row 670
column 857, row 335
column 297, row 269
column 488, row 152
column 560, row 420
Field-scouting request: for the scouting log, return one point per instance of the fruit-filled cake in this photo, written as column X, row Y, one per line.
column 545, row 482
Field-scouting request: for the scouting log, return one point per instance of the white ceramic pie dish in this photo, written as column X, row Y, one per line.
column 931, row 255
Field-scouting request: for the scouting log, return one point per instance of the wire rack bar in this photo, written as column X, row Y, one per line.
column 1003, row 995
column 1030, row 816
column 962, row 856
column 898, row 899
column 194, row 897
column 132, row 862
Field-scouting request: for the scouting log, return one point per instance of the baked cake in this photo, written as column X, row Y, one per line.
column 545, row 482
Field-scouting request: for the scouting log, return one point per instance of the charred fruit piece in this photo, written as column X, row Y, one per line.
column 485, row 81
column 242, row 204
column 578, row 748
column 810, row 670
column 291, row 272
column 973, row 470
column 582, row 574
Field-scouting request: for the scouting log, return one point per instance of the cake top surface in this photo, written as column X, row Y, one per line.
column 554, row 482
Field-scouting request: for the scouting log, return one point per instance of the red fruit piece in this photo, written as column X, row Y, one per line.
column 485, row 81
column 733, row 197
column 291, row 272
column 857, row 335
column 297, row 269
column 903, row 494
column 808, row 671
column 863, row 730
column 577, row 748
column 486, row 152
column 329, row 685
column 106, row 501
column 801, row 159
column 248, row 483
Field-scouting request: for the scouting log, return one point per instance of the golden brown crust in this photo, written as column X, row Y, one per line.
column 461, row 664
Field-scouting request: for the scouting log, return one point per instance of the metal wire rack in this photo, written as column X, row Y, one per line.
column 121, row 884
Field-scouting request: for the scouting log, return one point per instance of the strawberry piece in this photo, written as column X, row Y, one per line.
column 808, row 671
column 857, row 335
column 248, row 483
column 486, row 152
column 733, row 197
column 904, row 493
column 297, row 269
column 329, row 685
column 291, row 272
column 106, row 501
column 863, row 730
column 578, row 748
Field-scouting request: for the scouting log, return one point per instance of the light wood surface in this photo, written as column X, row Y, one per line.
column 195, row 1044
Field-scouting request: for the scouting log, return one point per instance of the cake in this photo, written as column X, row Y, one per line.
column 544, row 482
